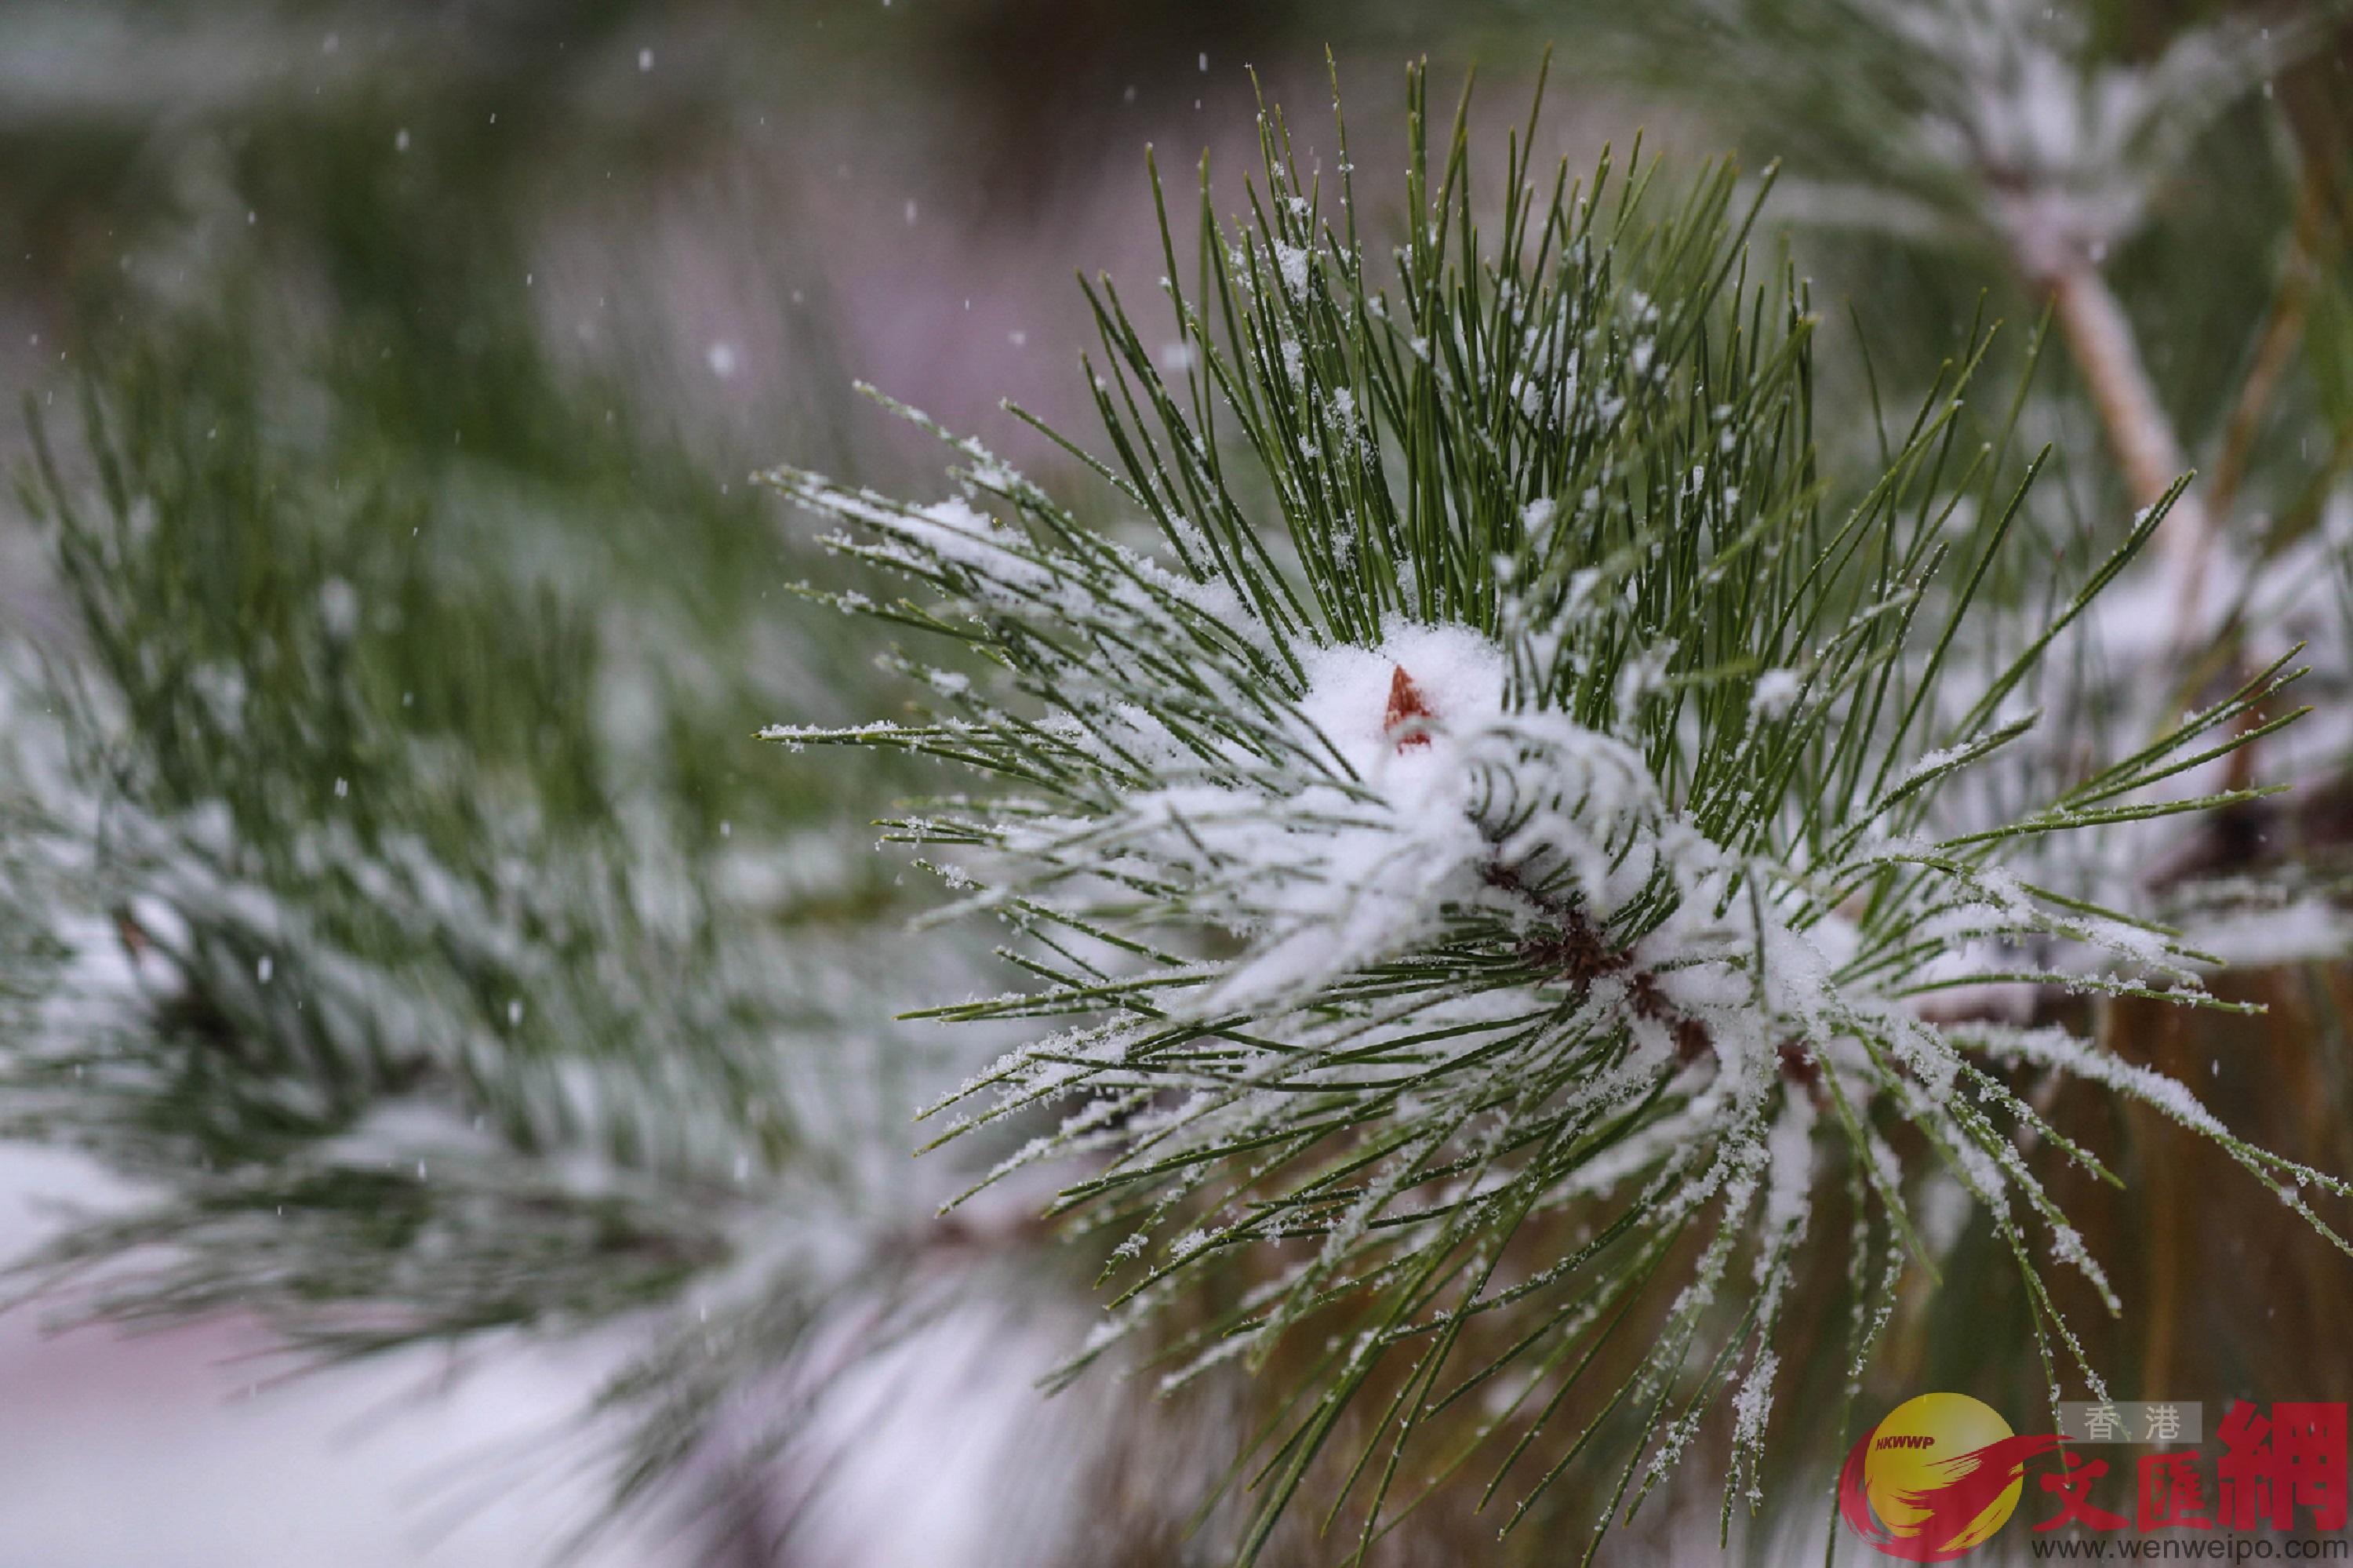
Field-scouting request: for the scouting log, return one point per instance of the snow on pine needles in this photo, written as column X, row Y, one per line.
column 1492, row 841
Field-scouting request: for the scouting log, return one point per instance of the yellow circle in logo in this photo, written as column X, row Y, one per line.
column 1908, row 1454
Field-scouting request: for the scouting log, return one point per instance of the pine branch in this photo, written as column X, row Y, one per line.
column 1513, row 807
column 2002, row 123
column 414, row 999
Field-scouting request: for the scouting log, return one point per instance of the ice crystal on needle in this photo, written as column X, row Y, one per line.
column 1498, row 840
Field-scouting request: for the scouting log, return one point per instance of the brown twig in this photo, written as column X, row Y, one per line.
column 1574, row 950
column 2275, row 349
column 2107, row 354
column 2100, row 337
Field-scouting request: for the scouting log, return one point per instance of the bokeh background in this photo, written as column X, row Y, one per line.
column 438, row 342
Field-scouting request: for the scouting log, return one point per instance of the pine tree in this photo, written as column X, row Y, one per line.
column 1542, row 812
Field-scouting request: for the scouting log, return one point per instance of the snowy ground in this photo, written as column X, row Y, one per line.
column 162, row 1450
column 184, row 1448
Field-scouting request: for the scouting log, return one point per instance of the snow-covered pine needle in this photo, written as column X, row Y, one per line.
column 1508, row 801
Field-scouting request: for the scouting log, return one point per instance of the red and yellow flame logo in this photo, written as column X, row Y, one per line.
column 1936, row 1478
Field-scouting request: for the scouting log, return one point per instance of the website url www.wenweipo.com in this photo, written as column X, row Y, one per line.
column 2193, row 1549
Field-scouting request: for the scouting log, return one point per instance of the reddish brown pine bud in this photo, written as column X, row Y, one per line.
column 1406, row 704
